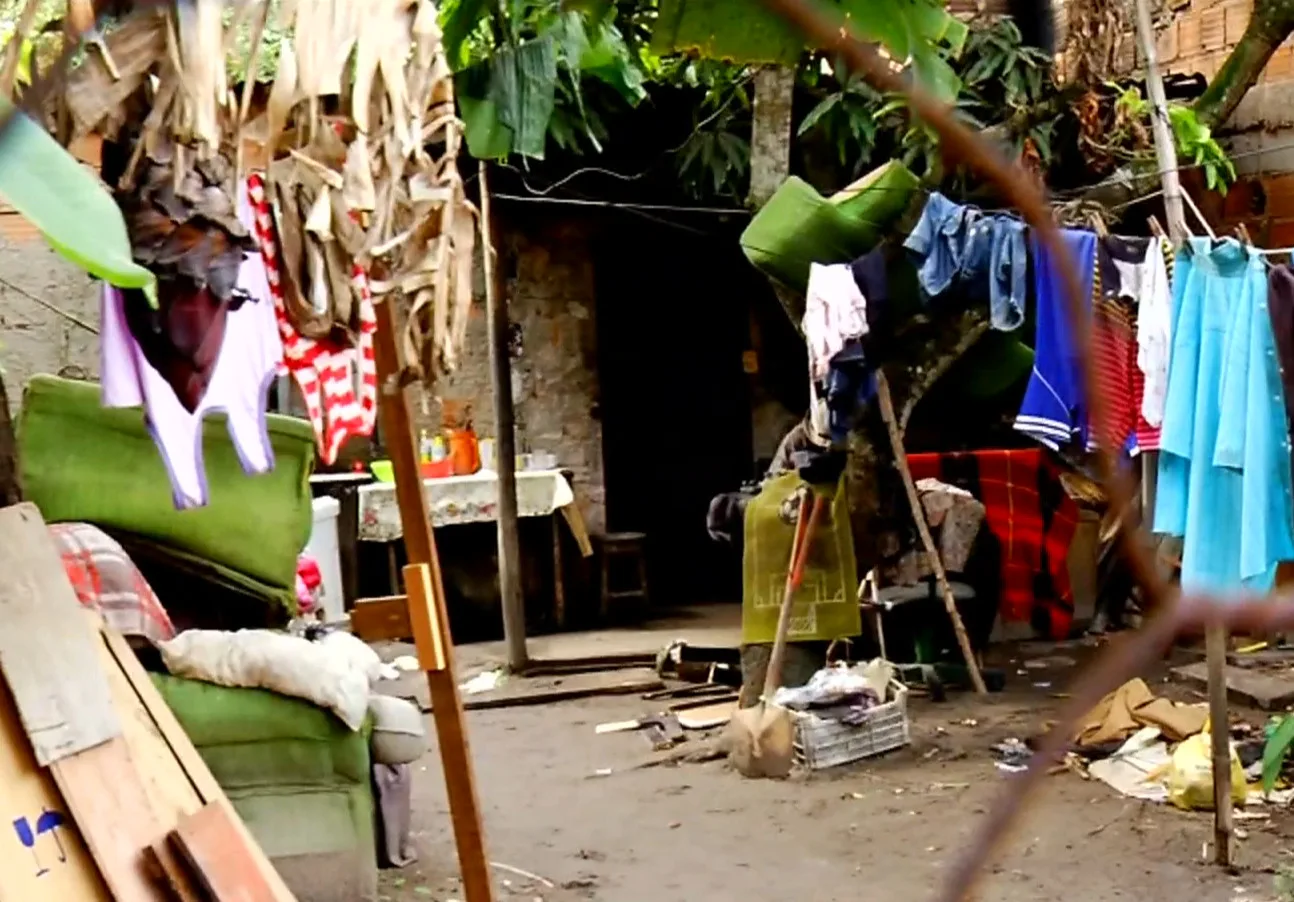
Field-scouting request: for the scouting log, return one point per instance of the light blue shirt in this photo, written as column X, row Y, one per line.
column 1224, row 466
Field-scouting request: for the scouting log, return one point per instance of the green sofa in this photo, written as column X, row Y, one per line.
column 298, row 777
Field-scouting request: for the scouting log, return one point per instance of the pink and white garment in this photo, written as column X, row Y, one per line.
column 835, row 311
column 326, row 373
column 246, row 364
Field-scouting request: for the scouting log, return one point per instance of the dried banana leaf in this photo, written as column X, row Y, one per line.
column 357, row 176
column 283, row 95
column 319, row 219
column 92, row 93
column 200, row 28
column 289, row 218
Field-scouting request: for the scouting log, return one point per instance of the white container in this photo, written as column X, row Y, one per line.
column 325, row 547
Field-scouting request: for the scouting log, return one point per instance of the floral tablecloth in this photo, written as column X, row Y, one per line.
column 455, row 500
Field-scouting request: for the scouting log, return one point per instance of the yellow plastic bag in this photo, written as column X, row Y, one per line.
column 1190, row 774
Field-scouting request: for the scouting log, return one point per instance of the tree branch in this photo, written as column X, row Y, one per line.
column 1269, row 25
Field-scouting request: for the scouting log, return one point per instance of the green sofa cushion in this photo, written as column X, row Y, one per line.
column 84, row 462
column 254, row 738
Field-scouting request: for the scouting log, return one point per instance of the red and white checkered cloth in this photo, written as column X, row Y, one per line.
column 106, row 580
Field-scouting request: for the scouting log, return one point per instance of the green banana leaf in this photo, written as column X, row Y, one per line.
column 1274, row 752
column 505, row 102
column 72, row 209
column 798, row 226
column 746, row 31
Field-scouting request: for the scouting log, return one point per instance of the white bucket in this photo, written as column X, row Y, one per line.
column 325, row 547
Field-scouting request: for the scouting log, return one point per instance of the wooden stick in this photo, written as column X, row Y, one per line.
column 13, row 49
column 1219, row 727
column 505, row 449
column 1165, row 149
column 901, row 459
column 447, row 704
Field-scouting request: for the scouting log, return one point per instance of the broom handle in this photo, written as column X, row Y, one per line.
column 810, row 507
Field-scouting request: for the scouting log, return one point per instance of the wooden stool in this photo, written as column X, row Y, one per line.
column 629, row 545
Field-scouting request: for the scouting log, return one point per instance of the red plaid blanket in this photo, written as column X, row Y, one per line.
column 1033, row 519
column 106, row 580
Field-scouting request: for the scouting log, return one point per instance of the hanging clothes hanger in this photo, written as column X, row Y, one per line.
column 1190, row 202
column 1155, row 228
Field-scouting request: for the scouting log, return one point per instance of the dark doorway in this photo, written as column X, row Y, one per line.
column 673, row 321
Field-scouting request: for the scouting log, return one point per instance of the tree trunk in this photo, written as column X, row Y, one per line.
column 10, row 485
column 770, row 133
column 1269, row 25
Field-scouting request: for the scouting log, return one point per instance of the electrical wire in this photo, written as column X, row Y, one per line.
column 621, row 205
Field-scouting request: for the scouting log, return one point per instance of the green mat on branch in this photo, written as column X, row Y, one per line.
column 799, row 226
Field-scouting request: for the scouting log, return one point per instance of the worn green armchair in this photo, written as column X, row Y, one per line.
column 298, row 777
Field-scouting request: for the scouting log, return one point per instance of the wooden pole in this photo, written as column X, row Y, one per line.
column 420, row 544
column 1216, row 638
column 505, row 449
column 1165, row 150
column 1220, row 734
column 936, row 562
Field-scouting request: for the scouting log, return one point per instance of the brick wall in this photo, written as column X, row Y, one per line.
column 1202, row 32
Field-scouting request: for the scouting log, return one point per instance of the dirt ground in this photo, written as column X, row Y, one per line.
column 883, row 829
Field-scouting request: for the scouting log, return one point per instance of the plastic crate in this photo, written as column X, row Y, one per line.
column 820, row 743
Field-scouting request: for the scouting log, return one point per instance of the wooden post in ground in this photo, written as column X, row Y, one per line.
column 505, row 448
column 923, row 529
column 435, row 646
column 1216, row 639
column 1220, row 734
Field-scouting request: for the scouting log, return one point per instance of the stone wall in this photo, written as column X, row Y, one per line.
column 34, row 337
column 550, row 288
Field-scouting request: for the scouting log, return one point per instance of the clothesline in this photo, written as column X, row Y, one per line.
column 1190, row 347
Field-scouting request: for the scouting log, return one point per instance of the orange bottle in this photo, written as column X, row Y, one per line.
column 464, row 451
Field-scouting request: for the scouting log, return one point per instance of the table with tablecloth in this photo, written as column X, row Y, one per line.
column 457, row 500
column 1033, row 519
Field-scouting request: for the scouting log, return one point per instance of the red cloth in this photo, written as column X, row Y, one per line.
column 106, row 580
column 1033, row 519
column 1114, row 346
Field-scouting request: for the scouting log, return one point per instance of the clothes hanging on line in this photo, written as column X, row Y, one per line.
column 845, row 303
column 327, row 374
column 1224, row 480
column 1280, row 305
column 245, row 356
column 835, row 312
column 1155, row 339
column 1133, row 280
column 1054, row 409
column 956, row 246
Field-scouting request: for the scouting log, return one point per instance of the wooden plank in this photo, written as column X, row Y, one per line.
column 428, row 632
column 420, row 545
column 1270, row 692
column 43, row 858
column 212, row 844
column 170, row 794
column 517, row 693
column 44, row 641
column 111, row 809
column 169, row 731
column 380, row 619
